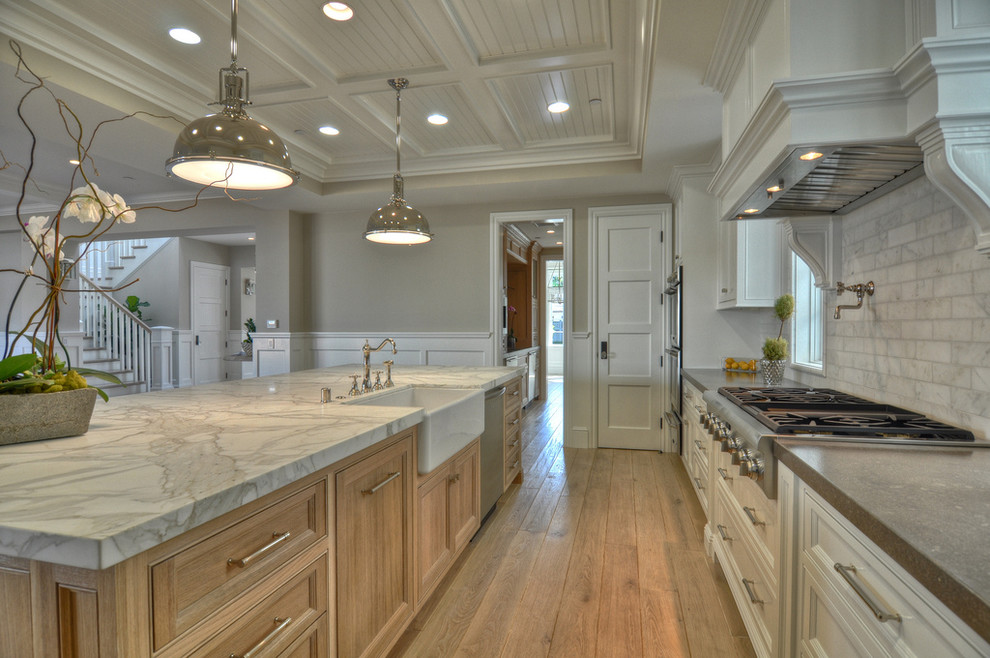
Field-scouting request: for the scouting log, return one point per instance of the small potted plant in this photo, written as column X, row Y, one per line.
column 247, row 345
column 775, row 349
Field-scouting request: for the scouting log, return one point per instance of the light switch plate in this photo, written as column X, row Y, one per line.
column 272, row 324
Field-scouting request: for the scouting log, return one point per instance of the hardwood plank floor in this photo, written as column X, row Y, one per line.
column 596, row 553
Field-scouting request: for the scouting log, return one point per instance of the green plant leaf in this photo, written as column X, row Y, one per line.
column 101, row 393
column 24, row 382
column 14, row 365
column 99, row 374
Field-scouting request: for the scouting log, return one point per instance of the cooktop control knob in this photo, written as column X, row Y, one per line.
column 731, row 445
column 751, row 465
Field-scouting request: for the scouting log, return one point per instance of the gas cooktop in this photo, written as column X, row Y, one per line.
column 830, row 412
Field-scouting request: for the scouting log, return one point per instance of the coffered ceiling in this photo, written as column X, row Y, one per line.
column 490, row 67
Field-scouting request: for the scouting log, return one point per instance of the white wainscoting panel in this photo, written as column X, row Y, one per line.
column 579, row 405
column 413, row 349
column 182, row 358
column 161, row 358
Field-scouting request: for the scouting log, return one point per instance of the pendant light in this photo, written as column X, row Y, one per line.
column 230, row 149
column 396, row 222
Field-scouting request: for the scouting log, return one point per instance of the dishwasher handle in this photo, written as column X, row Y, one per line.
column 495, row 393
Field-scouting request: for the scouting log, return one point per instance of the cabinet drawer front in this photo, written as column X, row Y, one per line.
column 513, row 420
column 311, row 644
column 201, row 579
column 753, row 584
column 867, row 582
column 513, row 396
column 281, row 617
column 513, row 441
column 513, row 465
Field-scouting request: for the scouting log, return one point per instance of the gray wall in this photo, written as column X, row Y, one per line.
column 163, row 280
column 239, row 257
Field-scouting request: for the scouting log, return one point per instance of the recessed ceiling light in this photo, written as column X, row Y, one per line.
column 183, row 35
column 560, row 243
column 329, row 130
column 437, row 119
column 550, row 230
column 251, row 237
column 558, row 106
column 811, row 155
column 338, row 11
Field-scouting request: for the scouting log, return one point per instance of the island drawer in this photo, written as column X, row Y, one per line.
column 278, row 621
column 513, row 397
column 201, row 578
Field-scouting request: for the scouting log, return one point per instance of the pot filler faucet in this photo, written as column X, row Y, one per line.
column 366, row 352
column 859, row 288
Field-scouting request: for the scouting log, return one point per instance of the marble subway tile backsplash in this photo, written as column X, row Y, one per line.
column 923, row 340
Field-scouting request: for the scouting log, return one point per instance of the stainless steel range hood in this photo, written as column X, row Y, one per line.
column 838, row 180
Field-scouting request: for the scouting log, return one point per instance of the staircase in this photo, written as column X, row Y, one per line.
column 115, row 341
column 111, row 262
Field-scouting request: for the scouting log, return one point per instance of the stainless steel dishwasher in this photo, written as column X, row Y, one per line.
column 492, row 458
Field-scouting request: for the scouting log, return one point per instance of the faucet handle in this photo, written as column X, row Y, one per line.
column 354, row 387
column 378, row 381
column 388, row 373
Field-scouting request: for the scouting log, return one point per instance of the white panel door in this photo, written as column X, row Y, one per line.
column 209, row 296
column 629, row 327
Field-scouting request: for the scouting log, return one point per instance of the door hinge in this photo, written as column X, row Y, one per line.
column 661, row 360
column 661, row 236
column 661, row 422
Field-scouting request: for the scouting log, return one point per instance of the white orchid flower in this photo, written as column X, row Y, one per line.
column 88, row 203
column 122, row 210
column 44, row 236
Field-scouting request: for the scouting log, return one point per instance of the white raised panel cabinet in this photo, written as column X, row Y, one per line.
column 852, row 599
column 748, row 263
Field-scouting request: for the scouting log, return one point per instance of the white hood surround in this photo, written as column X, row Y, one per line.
column 936, row 95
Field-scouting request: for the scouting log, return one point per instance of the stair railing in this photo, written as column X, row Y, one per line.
column 120, row 334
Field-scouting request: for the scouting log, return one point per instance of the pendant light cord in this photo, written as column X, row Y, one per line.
column 233, row 34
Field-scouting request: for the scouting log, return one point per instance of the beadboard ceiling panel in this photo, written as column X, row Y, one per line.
column 521, row 27
column 524, row 99
column 465, row 131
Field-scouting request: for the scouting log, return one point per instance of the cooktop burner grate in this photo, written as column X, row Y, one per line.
column 826, row 411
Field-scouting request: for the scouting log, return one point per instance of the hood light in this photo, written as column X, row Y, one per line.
column 811, row 155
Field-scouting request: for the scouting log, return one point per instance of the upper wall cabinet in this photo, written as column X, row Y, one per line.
column 748, row 263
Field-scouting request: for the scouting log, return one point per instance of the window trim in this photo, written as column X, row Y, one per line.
column 807, row 367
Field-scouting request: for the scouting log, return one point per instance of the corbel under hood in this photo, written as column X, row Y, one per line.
column 876, row 130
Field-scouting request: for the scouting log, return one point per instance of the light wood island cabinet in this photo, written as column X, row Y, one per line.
column 323, row 567
column 374, row 549
column 448, row 516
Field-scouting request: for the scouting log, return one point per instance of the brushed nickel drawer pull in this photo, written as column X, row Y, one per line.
column 515, row 422
column 722, row 531
column 700, row 447
column 515, row 392
column 282, row 623
column 748, row 584
column 875, row 608
column 454, row 478
column 244, row 561
column 752, row 517
column 725, row 474
column 698, row 482
column 391, row 476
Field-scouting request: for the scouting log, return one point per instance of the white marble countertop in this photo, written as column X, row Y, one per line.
column 155, row 465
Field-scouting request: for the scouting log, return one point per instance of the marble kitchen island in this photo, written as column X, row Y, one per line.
column 155, row 465
column 235, row 518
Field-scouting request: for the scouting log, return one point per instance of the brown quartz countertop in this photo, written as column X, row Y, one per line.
column 713, row 378
column 926, row 507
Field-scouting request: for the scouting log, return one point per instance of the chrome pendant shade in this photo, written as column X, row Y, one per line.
column 397, row 222
column 230, row 149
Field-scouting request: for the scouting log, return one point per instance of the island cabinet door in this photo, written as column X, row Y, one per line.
column 465, row 495
column 374, row 499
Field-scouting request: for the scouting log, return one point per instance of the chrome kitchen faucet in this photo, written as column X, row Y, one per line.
column 366, row 352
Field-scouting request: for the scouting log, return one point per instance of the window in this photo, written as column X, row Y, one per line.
column 808, row 324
